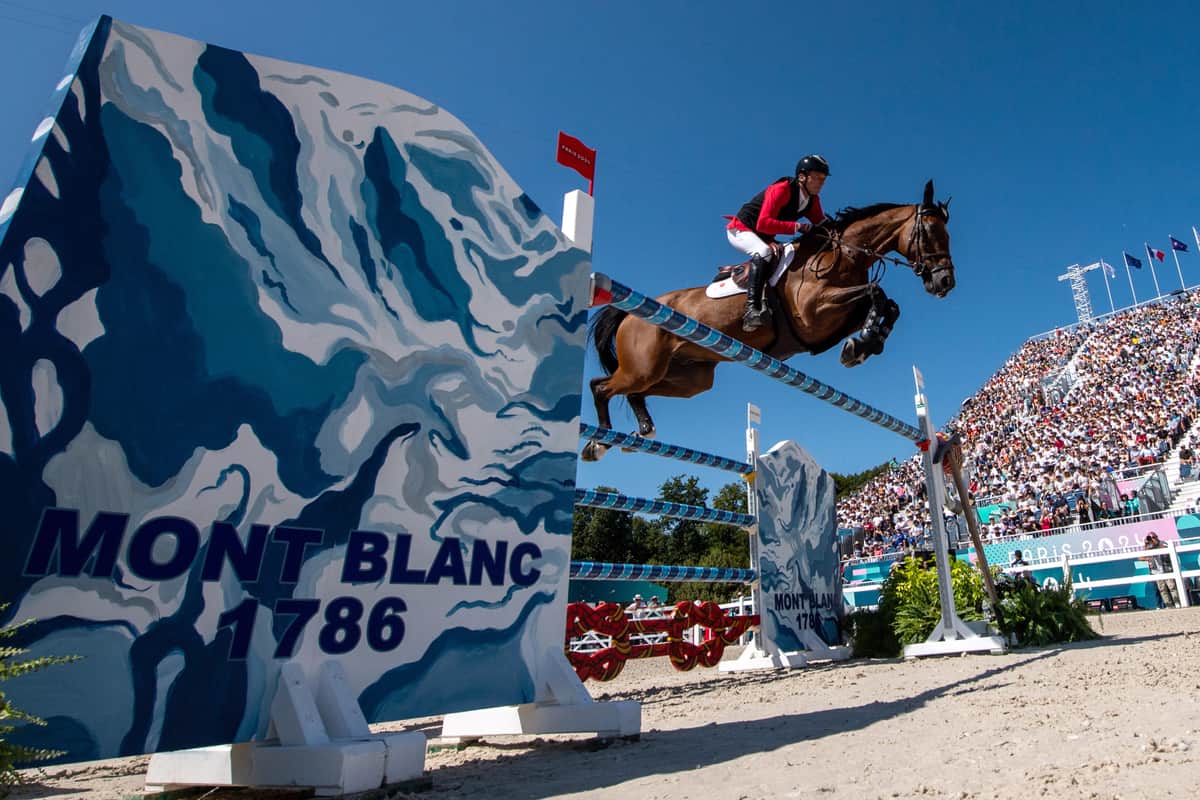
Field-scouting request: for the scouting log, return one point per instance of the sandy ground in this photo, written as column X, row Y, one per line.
column 1115, row 718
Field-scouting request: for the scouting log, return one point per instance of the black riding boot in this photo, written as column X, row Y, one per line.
column 757, row 313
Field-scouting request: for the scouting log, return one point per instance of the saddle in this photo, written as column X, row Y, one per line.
column 731, row 279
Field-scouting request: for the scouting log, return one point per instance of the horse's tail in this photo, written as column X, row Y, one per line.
column 603, row 330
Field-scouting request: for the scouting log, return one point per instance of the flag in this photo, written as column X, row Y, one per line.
column 1159, row 254
column 1109, row 269
column 1130, row 261
column 1177, row 245
column 576, row 155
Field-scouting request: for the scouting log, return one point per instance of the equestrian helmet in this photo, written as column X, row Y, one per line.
column 813, row 163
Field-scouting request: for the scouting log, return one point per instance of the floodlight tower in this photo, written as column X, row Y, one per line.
column 1079, row 290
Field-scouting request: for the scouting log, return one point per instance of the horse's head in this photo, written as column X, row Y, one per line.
column 927, row 244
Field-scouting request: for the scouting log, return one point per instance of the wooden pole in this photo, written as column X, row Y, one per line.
column 952, row 463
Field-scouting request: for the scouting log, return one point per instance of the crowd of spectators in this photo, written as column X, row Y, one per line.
column 1066, row 411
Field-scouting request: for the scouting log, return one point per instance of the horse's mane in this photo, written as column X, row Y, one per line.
column 819, row 237
column 851, row 214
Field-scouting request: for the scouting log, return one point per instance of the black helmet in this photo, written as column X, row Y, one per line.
column 812, row 163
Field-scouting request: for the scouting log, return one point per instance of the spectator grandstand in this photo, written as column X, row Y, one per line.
column 1048, row 436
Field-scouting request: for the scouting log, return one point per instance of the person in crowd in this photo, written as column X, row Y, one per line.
column 1121, row 384
column 1160, row 564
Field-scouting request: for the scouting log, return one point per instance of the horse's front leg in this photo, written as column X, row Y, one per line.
column 876, row 328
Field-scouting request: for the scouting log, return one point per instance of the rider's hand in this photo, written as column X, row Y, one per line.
column 803, row 227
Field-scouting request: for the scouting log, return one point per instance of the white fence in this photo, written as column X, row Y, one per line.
column 1075, row 569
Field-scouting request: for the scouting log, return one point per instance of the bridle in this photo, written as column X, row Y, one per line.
column 916, row 243
column 920, row 262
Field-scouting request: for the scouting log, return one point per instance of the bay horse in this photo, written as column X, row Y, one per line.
column 825, row 295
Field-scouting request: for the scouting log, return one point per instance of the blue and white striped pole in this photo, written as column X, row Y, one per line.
column 600, row 571
column 622, row 502
column 677, row 452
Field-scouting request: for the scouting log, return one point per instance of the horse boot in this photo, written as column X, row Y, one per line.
column 757, row 313
column 875, row 330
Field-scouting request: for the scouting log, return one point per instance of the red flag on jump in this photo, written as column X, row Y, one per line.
column 578, row 156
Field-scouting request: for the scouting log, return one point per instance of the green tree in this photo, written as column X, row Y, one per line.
column 687, row 543
column 723, row 546
column 601, row 534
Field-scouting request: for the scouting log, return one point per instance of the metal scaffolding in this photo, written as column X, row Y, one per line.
column 1079, row 290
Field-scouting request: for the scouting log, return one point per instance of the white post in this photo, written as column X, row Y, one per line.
column 1153, row 272
column 1175, row 255
column 579, row 211
column 1104, row 268
column 1129, row 275
column 754, row 415
column 952, row 634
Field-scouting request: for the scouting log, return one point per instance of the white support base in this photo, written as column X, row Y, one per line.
column 755, row 658
column 340, row 767
column 618, row 718
column 962, row 637
column 569, row 709
column 323, row 743
column 950, row 647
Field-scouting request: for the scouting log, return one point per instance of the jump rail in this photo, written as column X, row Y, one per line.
column 605, row 290
column 621, row 502
column 674, row 451
column 598, row 571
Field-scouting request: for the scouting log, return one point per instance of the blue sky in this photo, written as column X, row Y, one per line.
column 1064, row 132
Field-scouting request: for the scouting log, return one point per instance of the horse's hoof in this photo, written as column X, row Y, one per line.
column 593, row 451
column 850, row 356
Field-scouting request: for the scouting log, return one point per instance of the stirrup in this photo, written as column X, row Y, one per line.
column 755, row 318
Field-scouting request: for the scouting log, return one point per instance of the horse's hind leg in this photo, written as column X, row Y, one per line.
column 637, row 402
column 643, row 357
column 594, row 451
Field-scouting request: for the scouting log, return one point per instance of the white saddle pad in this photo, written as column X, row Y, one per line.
column 727, row 288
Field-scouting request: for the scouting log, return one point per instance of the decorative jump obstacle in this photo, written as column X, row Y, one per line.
column 610, row 619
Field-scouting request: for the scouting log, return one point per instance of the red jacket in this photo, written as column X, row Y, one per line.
column 776, row 209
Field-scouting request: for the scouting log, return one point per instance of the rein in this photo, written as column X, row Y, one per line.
column 918, row 265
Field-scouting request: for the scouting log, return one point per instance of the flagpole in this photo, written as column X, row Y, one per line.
column 1129, row 275
column 1104, row 268
column 1153, row 274
column 1175, row 255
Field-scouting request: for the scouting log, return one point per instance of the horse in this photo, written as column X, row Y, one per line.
column 825, row 295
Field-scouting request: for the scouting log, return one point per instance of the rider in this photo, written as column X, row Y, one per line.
column 775, row 210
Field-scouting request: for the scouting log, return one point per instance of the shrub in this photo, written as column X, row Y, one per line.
column 871, row 634
column 14, row 755
column 1038, row 617
column 912, row 591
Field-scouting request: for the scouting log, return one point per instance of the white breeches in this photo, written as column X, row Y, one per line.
column 748, row 242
